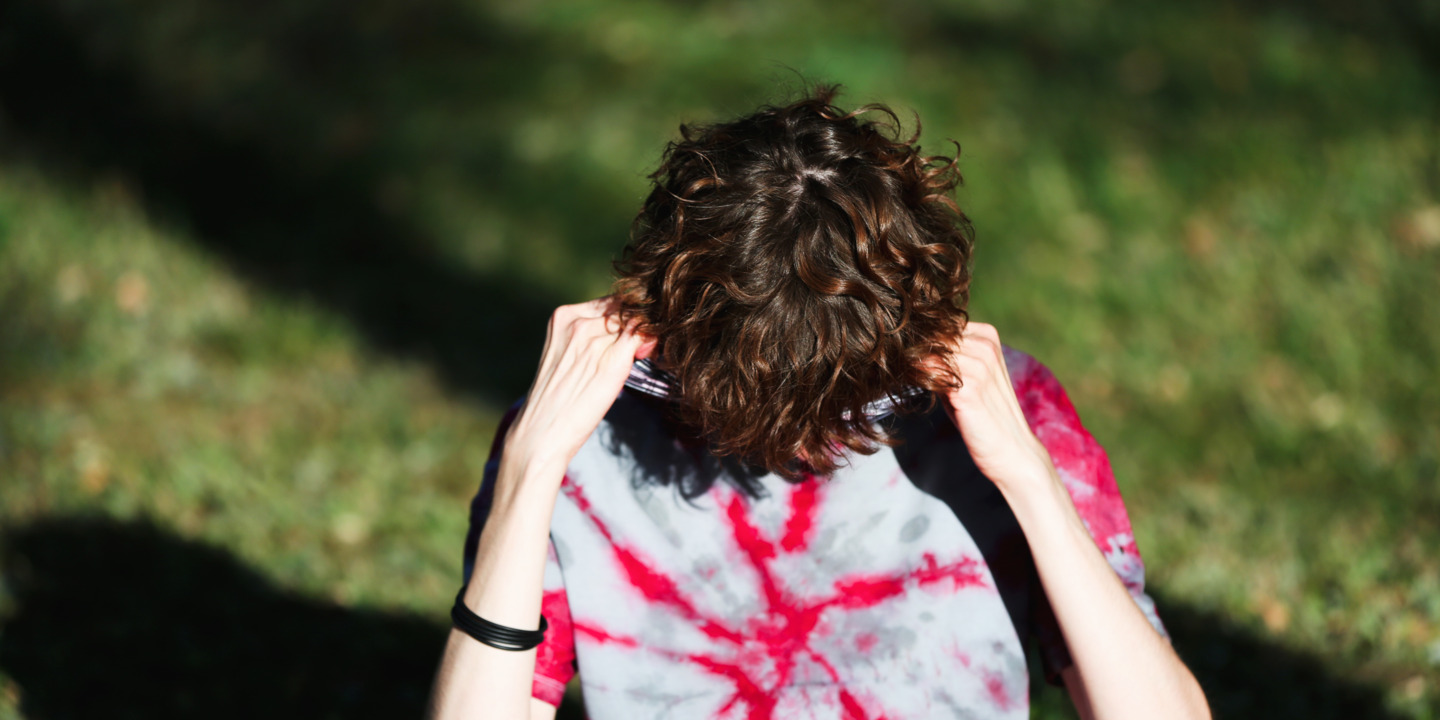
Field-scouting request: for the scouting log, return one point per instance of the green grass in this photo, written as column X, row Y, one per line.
column 268, row 275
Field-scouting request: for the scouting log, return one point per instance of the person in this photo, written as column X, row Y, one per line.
column 780, row 474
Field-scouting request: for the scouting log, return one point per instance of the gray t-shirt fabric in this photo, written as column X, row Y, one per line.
column 683, row 586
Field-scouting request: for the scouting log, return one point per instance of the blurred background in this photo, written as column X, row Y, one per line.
column 269, row 271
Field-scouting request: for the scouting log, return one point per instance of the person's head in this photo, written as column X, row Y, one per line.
column 795, row 265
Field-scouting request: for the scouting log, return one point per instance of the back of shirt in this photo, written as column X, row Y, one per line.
column 901, row 586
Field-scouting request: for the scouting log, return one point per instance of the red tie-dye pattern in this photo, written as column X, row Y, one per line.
column 995, row 689
column 757, row 656
column 804, row 503
column 763, row 652
column 1075, row 453
column 655, row 586
column 554, row 661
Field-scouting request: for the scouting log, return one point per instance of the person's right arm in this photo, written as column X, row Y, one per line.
column 1123, row 669
column 582, row 369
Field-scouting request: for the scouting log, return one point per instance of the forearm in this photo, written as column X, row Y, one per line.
column 505, row 587
column 586, row 359
column 1128, row 670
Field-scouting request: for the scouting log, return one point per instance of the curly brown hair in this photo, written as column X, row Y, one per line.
column 796, row 265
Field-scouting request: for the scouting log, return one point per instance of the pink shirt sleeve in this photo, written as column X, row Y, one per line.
column 555, row 657
column 1085, row 470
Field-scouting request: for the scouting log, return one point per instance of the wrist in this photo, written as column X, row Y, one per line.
column 528, row 471
column 527, row 480
column 531, row 455
column 1030, row 472
column 1038, row 497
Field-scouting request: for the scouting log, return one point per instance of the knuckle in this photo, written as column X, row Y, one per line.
column 582, row 331
column 597, row 341
column 976, row 368
column 563, row 315
column 976, row 347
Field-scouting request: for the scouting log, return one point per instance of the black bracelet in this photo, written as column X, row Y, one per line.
column 496, row 636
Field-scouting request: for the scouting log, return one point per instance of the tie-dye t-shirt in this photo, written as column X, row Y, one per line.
column 899, row 587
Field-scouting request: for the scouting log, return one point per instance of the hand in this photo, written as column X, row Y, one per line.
column 987, row 413
column 583, row 367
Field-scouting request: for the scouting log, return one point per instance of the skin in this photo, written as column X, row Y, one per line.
column 1123, row 668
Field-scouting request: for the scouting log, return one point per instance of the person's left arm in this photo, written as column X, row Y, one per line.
column 1122, row 667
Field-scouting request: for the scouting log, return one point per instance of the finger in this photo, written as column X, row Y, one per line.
column 634, row 323
column 646, row 349
column 992, row 338
column 634, row 344
column 977, row 327
column 613, row 323
column 992, row 384
column 592, row 308
column 592, row 326
column 610, row 303
column 980, row 334
column 1005, row 370
column 983, row 340
column 932, row 365
column 940, row 365
column 557, row 332
column 597, row 344
column 633, row 327
column 937, row 366
column 973, row 370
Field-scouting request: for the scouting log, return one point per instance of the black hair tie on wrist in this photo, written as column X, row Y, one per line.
column 492, row 634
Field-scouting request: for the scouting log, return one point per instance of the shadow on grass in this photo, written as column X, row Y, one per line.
column 287, row 177
column 124, row 620
column 1247, row 676
column 280, row 136
column 282, row 180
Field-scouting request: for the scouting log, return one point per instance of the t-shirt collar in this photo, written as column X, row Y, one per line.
column 646, row 377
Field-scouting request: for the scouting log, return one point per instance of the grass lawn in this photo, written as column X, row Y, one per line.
column 269, row 272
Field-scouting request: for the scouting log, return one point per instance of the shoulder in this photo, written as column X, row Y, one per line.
column 1081, row 462
column 1051, row 415
column 1084, row 469
column 1079, row 459
column 1042, row 398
